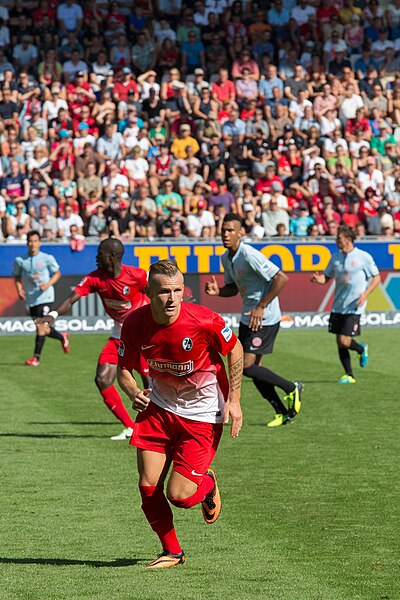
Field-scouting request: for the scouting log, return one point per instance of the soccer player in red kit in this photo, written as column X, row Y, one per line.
column 121, row 289
column 181, row 413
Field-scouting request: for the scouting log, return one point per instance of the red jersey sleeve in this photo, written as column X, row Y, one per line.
column 129, row 348
column 220, row 336
column 87, row 285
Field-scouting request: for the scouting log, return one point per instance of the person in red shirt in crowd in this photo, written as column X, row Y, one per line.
column 79, row 91
column 223, row 89
column 353, row 215
column 264, row 184
column 62, row 154
column 181, row 413
column 85, row 117
column 68, row 201
column 121, row 289
column 125, row 83
column 359, row 123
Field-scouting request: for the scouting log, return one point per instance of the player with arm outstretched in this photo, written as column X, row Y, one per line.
column 121, row 289
column 181, row 412
column 259, row 282
column 356, row 276
column 35, row 275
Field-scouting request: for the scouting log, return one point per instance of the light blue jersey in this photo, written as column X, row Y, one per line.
column 253, row 274
column 351, row 273
column 33, row 271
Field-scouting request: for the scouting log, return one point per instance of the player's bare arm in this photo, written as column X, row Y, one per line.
column 232, row 406
column 20, row 288
column 62, row 309
column 127, row 382
column 256, row 315
column 319, row 278
column 52, row 281
column 212, row 289
column 375, row 281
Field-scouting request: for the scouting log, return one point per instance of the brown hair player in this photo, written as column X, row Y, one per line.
column 181, row 412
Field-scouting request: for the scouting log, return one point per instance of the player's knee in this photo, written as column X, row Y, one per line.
column 102, row 381
column 344, row 342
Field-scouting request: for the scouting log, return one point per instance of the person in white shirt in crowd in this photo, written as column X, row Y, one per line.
column 64, row 223
column 203, row 218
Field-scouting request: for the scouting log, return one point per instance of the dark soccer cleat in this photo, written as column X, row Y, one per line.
column 32, row 362
column 66, row 346
column 211, row 505
column 166, row 560
column 294, row 399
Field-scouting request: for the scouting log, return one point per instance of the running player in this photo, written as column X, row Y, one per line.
column 259, row 282
column 356, row 276
column 182, row 411
column 121, row 289
column 35, row 275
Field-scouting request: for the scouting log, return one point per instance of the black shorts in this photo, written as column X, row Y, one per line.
column 345, row 324
column 40, row 310
column 258, row 342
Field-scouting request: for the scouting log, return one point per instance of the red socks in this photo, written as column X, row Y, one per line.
column 205, row 486
column 159, row 515
column 114, row 402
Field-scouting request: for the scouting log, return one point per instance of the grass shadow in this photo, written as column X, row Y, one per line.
column 71, row 423
column 117, row 562
column 51, row 436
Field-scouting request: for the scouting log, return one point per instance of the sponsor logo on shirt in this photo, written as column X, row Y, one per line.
column 121, row 349
column 187, row 344
column 226, row 333
column 82, row 281
column 165, row 366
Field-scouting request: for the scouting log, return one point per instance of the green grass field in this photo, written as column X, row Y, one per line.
column 310, row 511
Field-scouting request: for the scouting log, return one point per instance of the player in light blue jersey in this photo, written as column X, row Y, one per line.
column 356, row 275
column 259, row 282
column 35, row 275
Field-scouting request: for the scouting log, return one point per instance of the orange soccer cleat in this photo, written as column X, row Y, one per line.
column 166, row 560
column 32, row 362
column 211, row 505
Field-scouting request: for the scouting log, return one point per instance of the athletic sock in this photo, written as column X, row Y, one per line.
column 267, row 376
column 268, row 392
column 205, row 486
column 39, row 343
column 159, row 515
column 55, row 335
column 356, row 346
column 344, row 356
column 114, row 402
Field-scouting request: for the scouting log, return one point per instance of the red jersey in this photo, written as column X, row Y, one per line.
column 119, row 295
column 187, row 371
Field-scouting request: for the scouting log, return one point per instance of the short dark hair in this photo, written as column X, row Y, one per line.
column 31, row 234
column 166, row 267
column 232, row 217
column 113, row 246
column 347, row 231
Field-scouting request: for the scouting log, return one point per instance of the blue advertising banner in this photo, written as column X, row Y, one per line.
column 205, row 257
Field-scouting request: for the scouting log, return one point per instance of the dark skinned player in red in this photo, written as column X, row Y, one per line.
column 121, row 289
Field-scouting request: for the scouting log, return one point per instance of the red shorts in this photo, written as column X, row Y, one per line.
column 109, row 354
column 190, row 444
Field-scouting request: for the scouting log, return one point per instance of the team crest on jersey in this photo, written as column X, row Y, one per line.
column 121, row 349
column 226, row 333
column 187, row 344
column 126, row 290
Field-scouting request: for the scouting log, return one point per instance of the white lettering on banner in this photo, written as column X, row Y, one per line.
column 25, row 325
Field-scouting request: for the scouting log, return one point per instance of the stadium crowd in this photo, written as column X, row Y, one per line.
column 154, row 118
